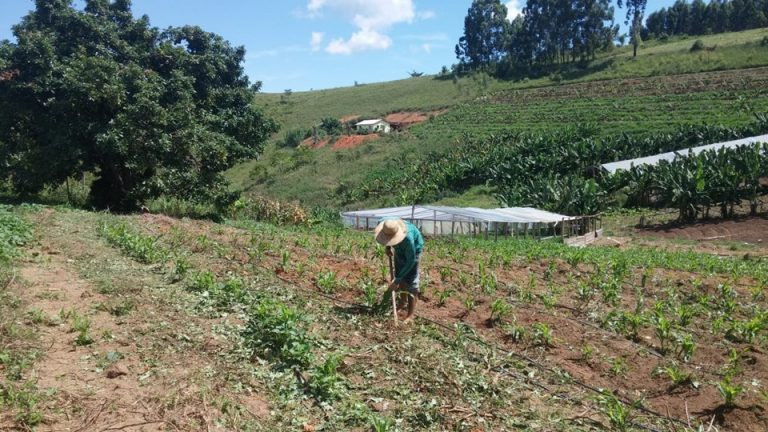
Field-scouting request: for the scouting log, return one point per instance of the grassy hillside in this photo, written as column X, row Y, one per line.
column 664, row 87
column 733, row 51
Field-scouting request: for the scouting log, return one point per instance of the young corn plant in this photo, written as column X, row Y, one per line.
column 587, row 352
column 663, row 329
column 747, row 331
column 514, row 332
column 499, row 310
column 370, row 295
column 285, row 261
column 469, row 304
column 677, row 376
column 611, row 291
column 327, row 281
column 550, row 270
column 384, row 272
column 729, row 391
column 181, row 267
column 82, row 325
column 549, row 301
column 445, row 273
column 542, row 335
column 619, row 414
column 733, row 366
column 381, row 424
column 645, row 277
column 443, row 296
column 585, row 293
column 685, row 314
column 685, row 347
column 618, row 366
column 326, row 383
column 632, row 323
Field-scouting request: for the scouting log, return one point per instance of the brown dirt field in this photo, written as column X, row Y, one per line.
column 569, row 319
column 352, row 141
column 405, row 119
column 753, row 230
column 132, row 376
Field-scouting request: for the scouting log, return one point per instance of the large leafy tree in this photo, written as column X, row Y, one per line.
column 148, row 112
column 485, row 32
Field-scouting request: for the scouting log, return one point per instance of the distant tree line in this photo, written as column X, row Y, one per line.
column 699, row 18
column 557, row 32
column 549, row 32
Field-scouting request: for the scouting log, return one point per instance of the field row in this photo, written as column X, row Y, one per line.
column 716, row 81
column 613, row 115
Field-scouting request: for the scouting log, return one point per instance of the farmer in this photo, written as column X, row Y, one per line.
column 408, row 244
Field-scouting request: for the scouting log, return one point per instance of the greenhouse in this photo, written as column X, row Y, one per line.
column 508, row 221
column 653, row 160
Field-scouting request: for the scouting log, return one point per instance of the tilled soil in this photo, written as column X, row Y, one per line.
column 626, row 366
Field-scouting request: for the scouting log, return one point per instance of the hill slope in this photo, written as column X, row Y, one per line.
column 664, row 87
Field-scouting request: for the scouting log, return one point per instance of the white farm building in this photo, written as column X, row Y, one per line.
column 373, row 126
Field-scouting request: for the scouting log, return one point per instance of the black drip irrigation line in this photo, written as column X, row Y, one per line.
column 513, row 354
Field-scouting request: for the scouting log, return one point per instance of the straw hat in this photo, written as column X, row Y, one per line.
column 390, row 232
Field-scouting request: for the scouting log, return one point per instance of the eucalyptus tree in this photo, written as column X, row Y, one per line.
column 485, row 32
column 635, row 11
column 148, row 112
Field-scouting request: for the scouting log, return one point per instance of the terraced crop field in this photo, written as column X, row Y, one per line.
column 618, row 106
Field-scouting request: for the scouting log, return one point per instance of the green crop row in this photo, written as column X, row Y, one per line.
column 613, row 114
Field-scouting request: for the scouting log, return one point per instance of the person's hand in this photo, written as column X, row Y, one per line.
column 396, row 286
column 388, row 251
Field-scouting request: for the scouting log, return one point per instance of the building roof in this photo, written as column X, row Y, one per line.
column 369, row 122
column 653, row 160
column 458, row 214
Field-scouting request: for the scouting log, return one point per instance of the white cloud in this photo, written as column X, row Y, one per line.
column 425, row 15
column 360, row 41
column 513, row 9
column 372, row 19
column 317, row 40
column 427, row 48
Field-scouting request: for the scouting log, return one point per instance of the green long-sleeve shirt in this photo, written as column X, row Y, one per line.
column 407, row 251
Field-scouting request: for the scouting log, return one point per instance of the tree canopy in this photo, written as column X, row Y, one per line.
column 698, row 18
column 552, row 32
column 148, row 112
column 485, row 30
column 548, row 32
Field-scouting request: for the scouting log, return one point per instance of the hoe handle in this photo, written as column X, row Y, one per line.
column 392, row 279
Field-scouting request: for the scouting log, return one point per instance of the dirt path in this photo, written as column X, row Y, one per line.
column 116, row 355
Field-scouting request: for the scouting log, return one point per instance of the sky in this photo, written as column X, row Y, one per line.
column 317, row 44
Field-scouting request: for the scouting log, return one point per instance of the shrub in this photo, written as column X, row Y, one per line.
column 697, row 46
column 764, row 41
column 276, row 330
column 331, row 126
column 292, row 138
column 263, row 209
